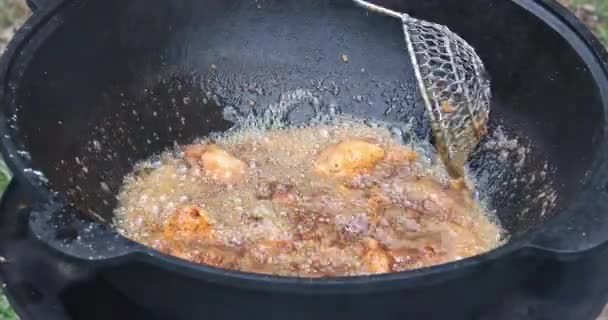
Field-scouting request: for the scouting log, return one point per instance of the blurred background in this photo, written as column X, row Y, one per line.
column 14, row 12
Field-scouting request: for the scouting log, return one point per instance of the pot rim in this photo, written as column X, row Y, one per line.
column 573, row 31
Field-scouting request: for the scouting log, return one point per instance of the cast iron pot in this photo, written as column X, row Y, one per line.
column 90, row 87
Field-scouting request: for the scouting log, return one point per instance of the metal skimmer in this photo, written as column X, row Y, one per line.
column 453, row 83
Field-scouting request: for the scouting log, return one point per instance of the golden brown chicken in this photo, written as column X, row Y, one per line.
column 189, row 222
column 376, row 258
column 348, row 158
column 216, row 163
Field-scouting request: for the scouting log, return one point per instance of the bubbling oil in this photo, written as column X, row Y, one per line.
column 392, row 217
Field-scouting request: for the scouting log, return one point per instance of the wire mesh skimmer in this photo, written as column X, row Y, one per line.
column 453, row 83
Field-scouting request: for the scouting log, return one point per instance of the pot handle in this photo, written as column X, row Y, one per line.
column 35, row 260
column 31, row 230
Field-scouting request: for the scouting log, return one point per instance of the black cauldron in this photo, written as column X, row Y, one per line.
column 89, row 87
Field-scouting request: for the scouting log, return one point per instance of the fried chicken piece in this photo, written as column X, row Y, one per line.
column 193, row 154
column 219, row 255
column 265, row 250
column 407, row 258
column 216, row 163
column 402, row 154
column 189, row 222
column 376, row 258
column 279, row 192
column 431, row 197
column 348, row 158
column 463, row 242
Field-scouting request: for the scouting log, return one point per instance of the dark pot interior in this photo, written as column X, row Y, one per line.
column 113, row 82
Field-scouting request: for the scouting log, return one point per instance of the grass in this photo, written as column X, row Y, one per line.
column 594, row 13
column 13, row 12
column 6, row 312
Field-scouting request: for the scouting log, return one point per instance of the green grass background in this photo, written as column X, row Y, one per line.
column 6, row 312
column 14, row 12
column 597, row 19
